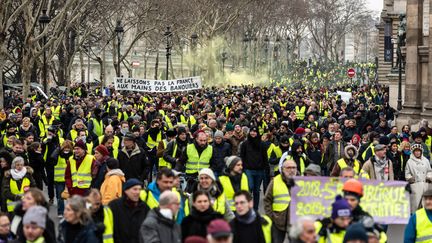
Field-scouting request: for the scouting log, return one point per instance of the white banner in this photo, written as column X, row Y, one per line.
column 160, row 86
column 345, row 96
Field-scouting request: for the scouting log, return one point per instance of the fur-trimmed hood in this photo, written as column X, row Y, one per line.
column 351, row 147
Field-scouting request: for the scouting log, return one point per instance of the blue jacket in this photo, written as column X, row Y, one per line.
column 410, row 230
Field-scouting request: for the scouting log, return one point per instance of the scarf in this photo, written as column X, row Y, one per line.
column 18, row 175
column 248, row 218
column 380, row 167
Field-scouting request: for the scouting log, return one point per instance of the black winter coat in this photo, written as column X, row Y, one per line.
column 196, row 223
column 127, row 219
column 220, row 151
column 87, row 234
column 135, row 164
column 253, row 154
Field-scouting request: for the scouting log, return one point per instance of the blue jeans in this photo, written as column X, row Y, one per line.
column 59, row 188
column 255, row 179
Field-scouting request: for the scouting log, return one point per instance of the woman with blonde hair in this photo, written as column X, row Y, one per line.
column 78, row 226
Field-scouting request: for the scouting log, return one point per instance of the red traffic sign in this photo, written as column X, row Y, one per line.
column 351, row 72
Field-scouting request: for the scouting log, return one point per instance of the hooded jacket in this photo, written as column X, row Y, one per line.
column 253, row 154
column 349, row 161
column 112, row 186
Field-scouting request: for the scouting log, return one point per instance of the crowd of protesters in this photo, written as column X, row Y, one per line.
column 168, row 167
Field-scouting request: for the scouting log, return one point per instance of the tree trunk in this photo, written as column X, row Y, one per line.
column 26, row 64
column 102, row 72
column 156, row 65
column 2, row 64
column 82, row 67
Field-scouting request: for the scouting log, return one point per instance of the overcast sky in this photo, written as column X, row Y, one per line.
column 375, row 5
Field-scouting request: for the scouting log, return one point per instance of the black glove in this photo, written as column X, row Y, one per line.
column 408, row 188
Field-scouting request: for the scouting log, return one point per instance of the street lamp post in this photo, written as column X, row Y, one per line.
column 119, row 32
column 399, row 55
column 224, row 58
column 276, row 54
column 44, row 19
column 168, row 35
column 194, row 39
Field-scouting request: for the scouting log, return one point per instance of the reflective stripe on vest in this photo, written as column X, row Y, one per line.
column 342, row 164
column 300, row 112
column 109, row 226
column 281, row 196
column 81, row 178
column 151, row 143
column 228, row 189
column 19, row 192
column 423, row 226
column 195, row 162
column 59, row 170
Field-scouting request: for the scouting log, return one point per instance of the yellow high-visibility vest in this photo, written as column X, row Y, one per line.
column 116, row 143
column 229, row 189
column 423, row 226
column 59, row 170
column 81, row 177
column 162, row 161
column 300, row 112
column 266, row 228
column 97, row 127
column 218, row 205
column 151, row 143
column 281, row 196
column 330, row 237
column 14, row 190
column 109, row 226
column 195, row 162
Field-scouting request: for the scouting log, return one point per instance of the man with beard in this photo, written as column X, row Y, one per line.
column 235, row 139
column 175, row 149
column 133, row 160
column 78, row 170
column 197, row 156
column 277, row 200
column 350, row 159
column 152, row 138
column 254, row 156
